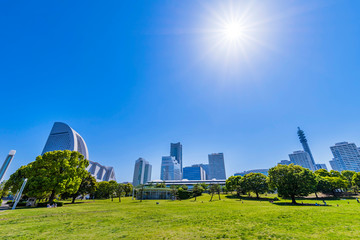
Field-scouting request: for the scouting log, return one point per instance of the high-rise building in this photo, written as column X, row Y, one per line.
column 217, row 166
column 305, row 145
column 170, row 169
column 303, row 159
column 346, row 157
column 63, row 137
column 284, row 162
column 263, row 171
column 142, row 172
column 206, row 169
column 176, row 152
column 195, row 172
column 320, row 166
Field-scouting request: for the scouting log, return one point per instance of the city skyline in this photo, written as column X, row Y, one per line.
column 133, row 77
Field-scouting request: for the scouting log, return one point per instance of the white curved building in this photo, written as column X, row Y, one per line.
column 63, row 137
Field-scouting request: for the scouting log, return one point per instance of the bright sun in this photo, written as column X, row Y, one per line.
column 233, row 31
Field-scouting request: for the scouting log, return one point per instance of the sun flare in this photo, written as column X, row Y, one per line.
column 233, row 31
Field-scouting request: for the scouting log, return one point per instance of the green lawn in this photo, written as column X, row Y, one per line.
column 228, row 218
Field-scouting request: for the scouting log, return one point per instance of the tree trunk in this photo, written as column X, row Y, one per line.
column 195, row 197
column 73, row 199
column 219, row 196
column 293, row 199
column 52, row 196
column 211, row 197
column 119, row 198
column 257, row 195
column 316, row 195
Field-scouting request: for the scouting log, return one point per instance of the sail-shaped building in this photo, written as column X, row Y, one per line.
column 63, row 137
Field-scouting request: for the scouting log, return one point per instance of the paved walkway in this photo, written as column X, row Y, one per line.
column 4, row 206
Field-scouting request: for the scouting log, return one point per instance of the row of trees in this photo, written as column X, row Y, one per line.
column 293, row 180
column 64, row 174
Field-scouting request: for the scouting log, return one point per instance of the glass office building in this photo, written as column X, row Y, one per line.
column 142, row 172
column 170, row 169
column 303, row 159
column 195, row 172
column 216, row 166
column 346, row 157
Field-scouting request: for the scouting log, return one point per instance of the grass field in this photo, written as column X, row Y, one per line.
column 227, row 218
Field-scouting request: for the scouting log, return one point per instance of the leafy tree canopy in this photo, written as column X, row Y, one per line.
column 292, row 180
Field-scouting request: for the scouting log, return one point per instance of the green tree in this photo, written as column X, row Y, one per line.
column 234, row 183
column 88, row 186
column 160, row 185
column 52, row 174
column 322, row 185
column 204, row 186
column 348, row 175
column 256, row 183
column 334, row 173
column 322, row 173
column 174, row 191
column 102, row 190
column 120, row 188
column 112, row 189
column 197, row 190
column 356, row 181
column 16, row 179
column 292, row 180
column 214, row 188
column 336, row 183
column 128, row 188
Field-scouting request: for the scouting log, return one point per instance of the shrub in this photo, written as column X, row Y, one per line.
column 184, row 194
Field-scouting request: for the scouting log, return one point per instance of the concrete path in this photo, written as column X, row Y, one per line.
column 4, row 206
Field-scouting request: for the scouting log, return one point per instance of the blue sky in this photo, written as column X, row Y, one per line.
column 131, row 77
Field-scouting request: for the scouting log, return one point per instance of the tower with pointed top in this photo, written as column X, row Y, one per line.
column 305, row 144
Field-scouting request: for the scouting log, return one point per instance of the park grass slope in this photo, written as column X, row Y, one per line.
column 220, row 219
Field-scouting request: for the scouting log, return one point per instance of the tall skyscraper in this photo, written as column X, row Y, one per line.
column 195, row 172
column 176, row 152
column 346, row 157
column 63, row 137
column 320, row 166
column 217, row 166
column 305, row 145
column 142, row 172
column 303, row 159
column 170, row 169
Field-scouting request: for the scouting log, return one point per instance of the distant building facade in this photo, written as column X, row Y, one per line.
column 285, row 162
column 320, row 166
column 176, row 152
column 263, row 171
column 100, row 172
column 63, row 137
column 170, row 169
column 195, row 172
column 303, row 159
column 217, row 166
column 346, row 157
column 142, row 172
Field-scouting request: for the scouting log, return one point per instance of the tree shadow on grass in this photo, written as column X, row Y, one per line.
column 252, row 198
column 300, row 204
column 69, row 203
